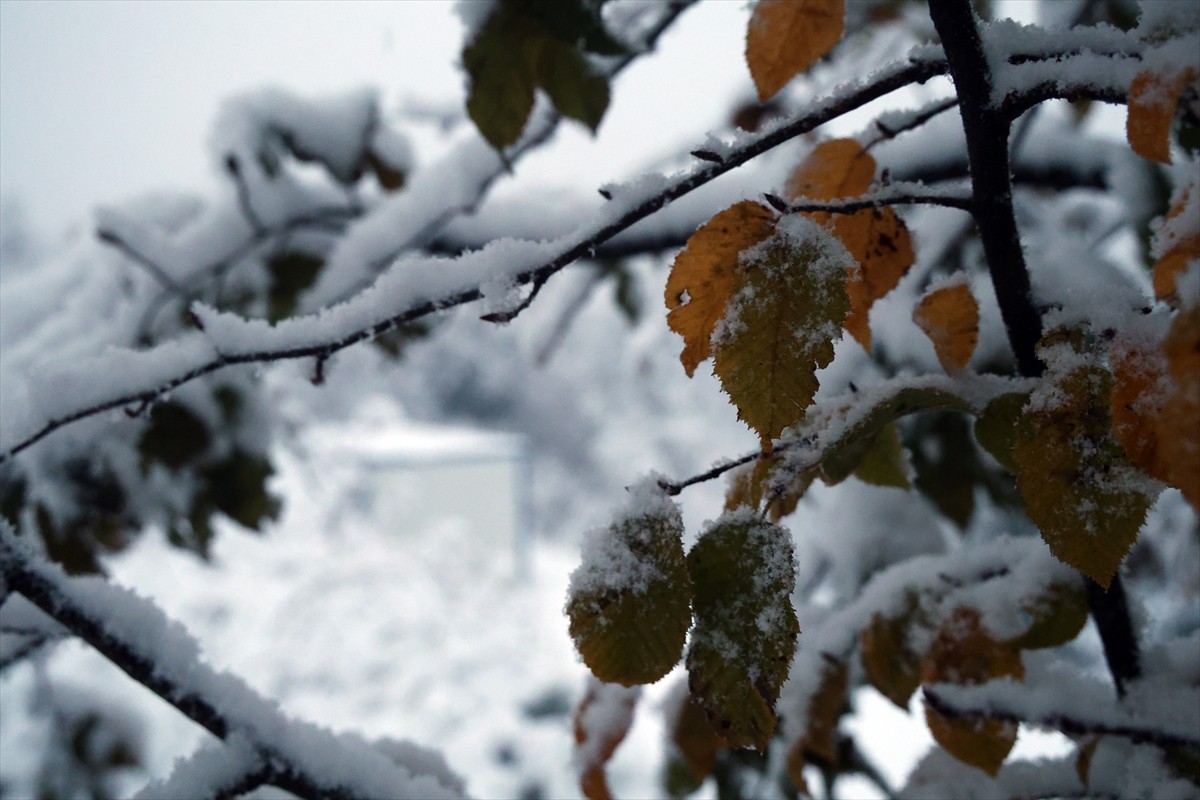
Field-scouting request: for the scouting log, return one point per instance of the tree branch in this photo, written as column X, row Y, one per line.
column 986, row 128
column 1076, row 725
column 141, row 641
column 569, row 249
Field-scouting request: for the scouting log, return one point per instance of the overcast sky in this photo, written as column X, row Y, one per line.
column 103, row 100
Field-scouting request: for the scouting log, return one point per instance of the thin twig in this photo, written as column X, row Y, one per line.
column 885, row 198
column 157, row 272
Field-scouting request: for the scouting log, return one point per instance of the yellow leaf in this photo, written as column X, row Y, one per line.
column 629, row 603
column 876, row 237
column 964, row 653
column 601, row 722
column 950, row 318
column 890, row 663
column 702, row 276
column 1079, row 487
column 1152, row 100
column 786, row 37
column 788, row 307
column 743, row 574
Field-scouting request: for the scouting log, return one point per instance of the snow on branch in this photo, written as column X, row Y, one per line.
column 132, row 633
column 413, row 287
column 828, row 424
column 1170, row 715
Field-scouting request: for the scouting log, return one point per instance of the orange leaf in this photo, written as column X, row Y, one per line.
column 888, row 659
column 602, row 719
column 950, row 318
column 701, row 279
column 876, row 237
column 1174, row 261
column 786, row 37
column 1137, row 402
column 882, row 246
column 1152, row 101
column 836, row 168
column 1178, row 452
column 963, row 652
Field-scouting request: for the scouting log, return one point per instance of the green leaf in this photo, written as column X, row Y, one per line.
column 175, row 436
column 527, row 44
column 946, row 464
column 575, row 22
column 237, row 487
column 885, row 462
column 291, row 273
column 788, row 306
column 500, row 63
column 995, row 428
column 1057, row 615
column 574, row 89
column 1079, row 486
column 629, row 602
column 743, row 574
column 858, row 428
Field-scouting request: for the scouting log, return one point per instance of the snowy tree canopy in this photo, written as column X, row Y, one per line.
column 946, row 267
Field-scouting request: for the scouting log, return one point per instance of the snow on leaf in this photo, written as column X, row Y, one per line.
column 890, row 663
column 1153, row 97
column 702, row 276
column 786, row 37
column 1183, row 225
column 602, row 720
column 964, row 653
column 876, row 237
column 786, row 311
column 950, row 318
column 743, row 575
column 628, row 601
column 1079, row 487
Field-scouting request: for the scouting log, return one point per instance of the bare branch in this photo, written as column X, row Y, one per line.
column 890, row 196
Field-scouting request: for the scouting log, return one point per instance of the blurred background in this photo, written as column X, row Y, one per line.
column 413, row 585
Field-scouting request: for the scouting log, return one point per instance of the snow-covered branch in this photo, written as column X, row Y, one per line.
column 137, row 637
column 411, row 288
